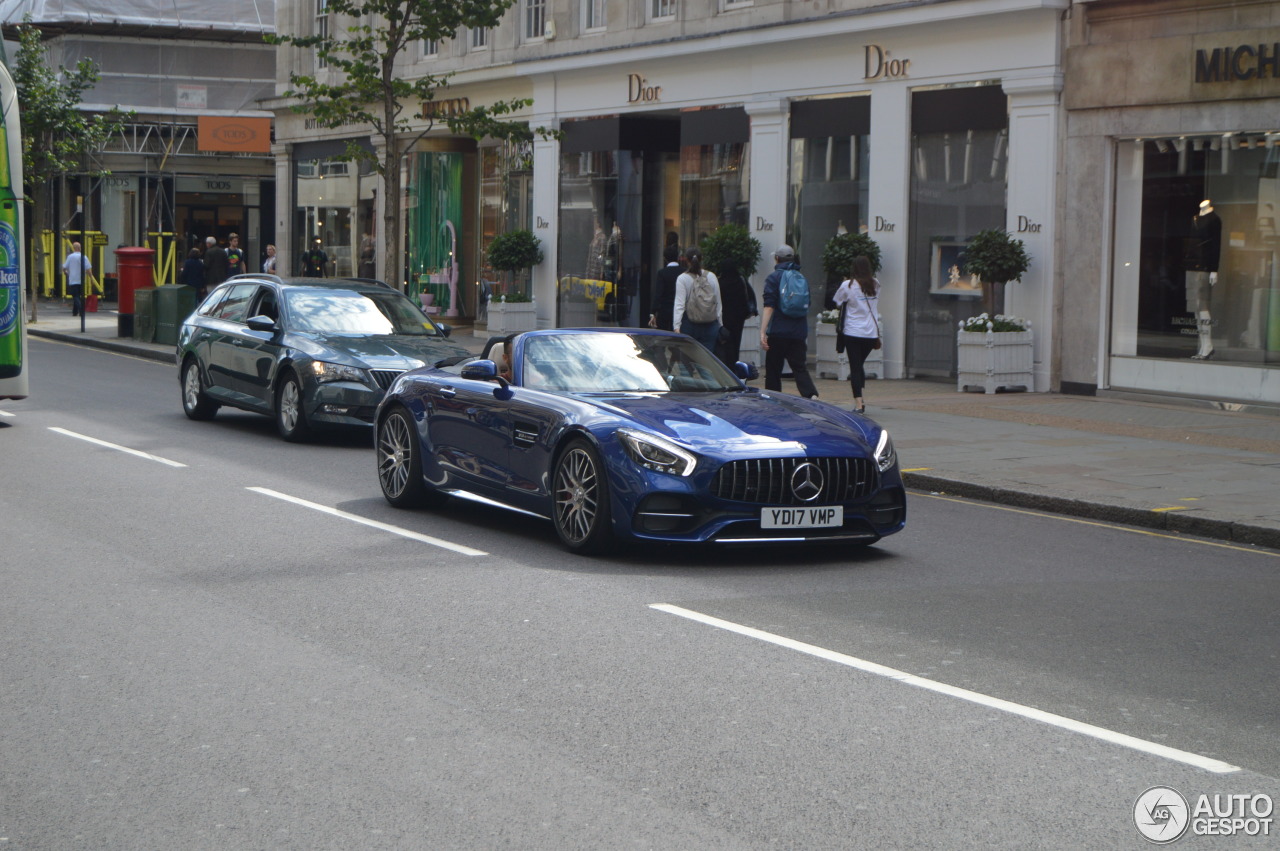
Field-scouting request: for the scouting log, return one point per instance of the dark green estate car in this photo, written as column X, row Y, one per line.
column 307, row 351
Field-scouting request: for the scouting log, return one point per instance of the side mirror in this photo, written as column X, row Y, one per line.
column 445, row 328
column 262, row 323
column 746, row 371
column 480, row 370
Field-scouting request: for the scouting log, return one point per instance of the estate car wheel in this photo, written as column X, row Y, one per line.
column 196, row 404
column 581, row 500
column 291, row 418
column 399, row 457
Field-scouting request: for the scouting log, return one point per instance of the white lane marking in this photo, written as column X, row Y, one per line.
column 117, row 447
column 386, row 527
column 1074, row 726
column 5, row 414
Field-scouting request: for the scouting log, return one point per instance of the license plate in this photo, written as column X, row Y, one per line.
column 811, row 517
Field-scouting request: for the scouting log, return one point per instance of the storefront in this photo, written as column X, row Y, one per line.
column 1183, row 173
column 919, row 126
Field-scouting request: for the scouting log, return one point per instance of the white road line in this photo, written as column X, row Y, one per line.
column 5, row 414
column 1074, row 726
column 117, row 447
column 386, row 527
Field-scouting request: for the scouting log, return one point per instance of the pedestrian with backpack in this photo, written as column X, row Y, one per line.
column 698, row 311
column 784, row 324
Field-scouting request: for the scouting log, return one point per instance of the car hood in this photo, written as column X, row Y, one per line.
column 767, row 423
column 380, row 352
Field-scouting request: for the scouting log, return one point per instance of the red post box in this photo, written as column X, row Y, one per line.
column 133, row 265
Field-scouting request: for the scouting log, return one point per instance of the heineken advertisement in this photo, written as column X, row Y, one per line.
column 13, row 346
column 10, row 273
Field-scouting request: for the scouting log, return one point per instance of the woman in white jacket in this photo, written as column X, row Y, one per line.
column 858, row 331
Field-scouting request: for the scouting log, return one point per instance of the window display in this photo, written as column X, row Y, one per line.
column 1206, row 284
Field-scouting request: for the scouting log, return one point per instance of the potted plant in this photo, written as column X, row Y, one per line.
column 837, row 258
column 994, row 353
column 733, row 247
column 513, row 311
column 515, row 251
column 996, row 258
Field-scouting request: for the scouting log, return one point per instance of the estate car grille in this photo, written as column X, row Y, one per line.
column 769, row 481
column 385, row 377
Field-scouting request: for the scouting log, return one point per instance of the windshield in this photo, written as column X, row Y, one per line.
column 356, row 313
column 611, row 362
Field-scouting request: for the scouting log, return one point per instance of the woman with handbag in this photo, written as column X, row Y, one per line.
column 858, row 329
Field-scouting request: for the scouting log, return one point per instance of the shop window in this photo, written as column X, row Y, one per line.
column 830, row 159
column 959, row 161
column 1196, row 273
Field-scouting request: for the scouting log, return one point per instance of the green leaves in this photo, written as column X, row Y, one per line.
column 995, row 257
column 731, row 244
column 514, row 250
column 837, row 256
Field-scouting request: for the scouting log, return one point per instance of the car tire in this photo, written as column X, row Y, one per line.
column 196, row 403
column 580, row 500
column 399, row 458
column 291, row 414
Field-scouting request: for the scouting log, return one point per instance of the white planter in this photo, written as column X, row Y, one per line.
column 512, row 317
column 749, row 350
column 833, row 365
column 994, row 361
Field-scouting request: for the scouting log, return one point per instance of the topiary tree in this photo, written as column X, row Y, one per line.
column 514, row 251
column 996, row 258
column 837, row 256
column 731, row 245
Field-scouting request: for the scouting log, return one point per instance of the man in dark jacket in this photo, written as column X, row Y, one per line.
column 783, row 337
column 216, row 265
column 662, row 303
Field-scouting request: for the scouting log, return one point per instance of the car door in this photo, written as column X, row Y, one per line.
column 225, row 327
column 257, row 353
column 467, row 432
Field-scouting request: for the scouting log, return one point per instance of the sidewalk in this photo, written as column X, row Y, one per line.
column 1178, row 465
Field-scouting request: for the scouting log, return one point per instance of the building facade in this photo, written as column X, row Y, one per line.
column 194, row 160
column 1172, row 157
column 919, row 124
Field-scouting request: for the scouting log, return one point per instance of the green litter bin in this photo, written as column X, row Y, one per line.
column 144, row 314
column 173, row 305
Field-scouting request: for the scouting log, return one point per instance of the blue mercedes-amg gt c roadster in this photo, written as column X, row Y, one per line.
column 629, row 434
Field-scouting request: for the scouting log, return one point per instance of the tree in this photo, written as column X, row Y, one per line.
column 57, row 136
column 362, row 86
column 996, row 258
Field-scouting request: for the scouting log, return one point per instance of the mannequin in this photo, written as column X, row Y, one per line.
column 1204, row 249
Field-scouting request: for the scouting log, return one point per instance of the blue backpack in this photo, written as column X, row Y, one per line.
column 793, row 294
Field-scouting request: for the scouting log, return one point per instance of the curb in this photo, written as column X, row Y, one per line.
column 1165, row 521
column 123, row 348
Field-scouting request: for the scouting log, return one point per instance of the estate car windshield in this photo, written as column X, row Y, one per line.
column 617, row 363
column 352, row 313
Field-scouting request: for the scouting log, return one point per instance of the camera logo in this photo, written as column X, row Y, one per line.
column 1161, row 815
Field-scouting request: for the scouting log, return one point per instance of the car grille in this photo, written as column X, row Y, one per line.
column 385, row 377
column 767, row 481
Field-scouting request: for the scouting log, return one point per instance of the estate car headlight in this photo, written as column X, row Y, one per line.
column 325, row 372
column 886, row 456
column 654, row 453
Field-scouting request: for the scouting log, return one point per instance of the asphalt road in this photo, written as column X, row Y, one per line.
column 225, row 654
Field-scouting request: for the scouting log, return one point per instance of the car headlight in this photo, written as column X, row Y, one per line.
column 886, row 456
column 654, row 453
column 325, row 372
